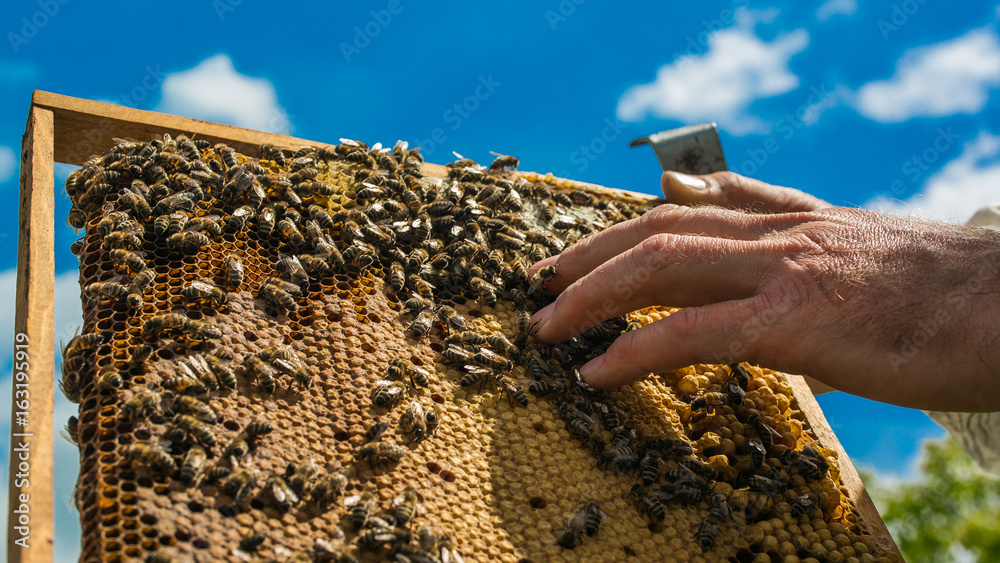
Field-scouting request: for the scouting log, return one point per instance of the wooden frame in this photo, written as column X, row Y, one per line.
column 70, row 130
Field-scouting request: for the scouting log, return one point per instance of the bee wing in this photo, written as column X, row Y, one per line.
column 289, row 262
column 352, row 500
column 202, row 286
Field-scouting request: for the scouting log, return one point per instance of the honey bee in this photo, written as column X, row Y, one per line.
column 362, row 506
column 238, row 220
column 239, row 485
column 397, row 277
column 453, row 353
column 543, row 388
column 72, row 430
column 152, row 456
column 514, row 392
column 251, row 542
column 279, row 493
column 489, row 358
column 271, row 152
column 376, row 537
column 708, row 532
column 179, row 201
column 302, row 475
column 504, row 162
column 412, row 200
column 322, row 216
column 802, row 505
column 238, row 447
column 194, row 460
column 258, row 428
column 196, row 428
column 475, row 376
column 82, row 343
column 130, row 260
column 192, row 406
column 762, row 484
column 412, row 421
column 369, row 191
column 406, row 505
column 485, row 290
column 293, row 268
column 650, row 504
column 291, row 232
column 189, row 242
column 764, row 432
column 718, row 508
column 220, row 367
column 422, row 324
column 401, row 368
column 198, row 330
column 422, row 288
column 805, row 464
column 387, row 393
column 328, row 487
column 332, row 552
column 448, row 316
column 709, row 401
column 109, row 379
column 262, row 372
column 142, row 404
column 376, row 452
column 278, row 297
column 541, row 277
column 315, row 264
column 233, row 269
column 122, row 239
column 265, row 221
column 204, row 293
column 109, row 289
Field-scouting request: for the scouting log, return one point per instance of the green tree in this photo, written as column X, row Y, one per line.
column 951, row 512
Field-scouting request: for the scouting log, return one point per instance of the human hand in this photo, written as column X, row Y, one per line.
column 894, row 310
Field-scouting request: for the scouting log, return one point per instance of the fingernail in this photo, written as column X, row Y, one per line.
column 591, row 368
column 691, row 183
column 539, row 319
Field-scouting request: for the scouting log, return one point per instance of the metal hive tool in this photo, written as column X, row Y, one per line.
column 708, row 463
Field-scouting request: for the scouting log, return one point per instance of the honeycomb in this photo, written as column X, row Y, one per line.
column 364, row 385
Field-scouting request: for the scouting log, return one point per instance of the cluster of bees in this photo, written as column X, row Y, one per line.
column 479, row 230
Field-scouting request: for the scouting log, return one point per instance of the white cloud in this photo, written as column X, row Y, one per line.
column 719, row 85
column 8, row 163
column 952, row 77
column 832, row 8
column 956, row 191
column 215, row 91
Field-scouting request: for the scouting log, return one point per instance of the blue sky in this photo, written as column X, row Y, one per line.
column 889, row 104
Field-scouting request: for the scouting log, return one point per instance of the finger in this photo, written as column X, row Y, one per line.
column 728, row 189
column 689, row 336
column 675, row 270
column 586, row 255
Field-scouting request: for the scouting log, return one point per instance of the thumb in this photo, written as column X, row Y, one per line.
column 728, row 189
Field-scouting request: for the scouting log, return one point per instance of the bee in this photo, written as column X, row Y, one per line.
column 401, row 368
column 130, row 260
column 764, row 432
column 331, row 552
column 756, row 507
column 412, row 421
column 397, row 277
column 650, row 504
column 543, row 388
column 421, row 227
column 475, row 376
column 142, row 404
column 265, row 221
column 422, row 324
column 179, row 201
column 122, row 239
column 572, row 532
column 271, row 152
column 262, row 372
column 524, row 327
column 412, row 200
column 718, row 508
column 376, row 537
column 802, row 505
column 453, row 353
column 376, row 452
column 302, row 475
column 152, row 456
column 240, row 485
column 315, row 264
column 258, row 428
column 187, row 384
column 649, row 469
column 82, row 343
column 806, row 465
column 709, row 401
column 489, row 358
column 197, row 330
column 278, row 297
column 220, row 367
column 233, row 269
column 541, row 277
column 109, row 379
column 189, row 242
column 406, row 505
column 322, row 216
column 514, row 392
column 251, row 542
column 238, row 220
column 761, row 484
column 238, row 447
column 448, row 316
column 204, row 293
column 193, row 462
column 485, row 290
column 416, row 304
column 708, row 532
column 328, row 487
column 369, row 191
column 387, row 393
column 375, row 431
column 109, row 289
column 699, row 467
column 72, row 430
column 498, row 341
column 362, row 506
column 443, row 223
column 291, row 232
column 504, row 162
column 293, row 268
column 196, row 428
column 192, row 406
column 209, row 224
column 280, row 493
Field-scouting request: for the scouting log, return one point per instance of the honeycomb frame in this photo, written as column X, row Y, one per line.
column 800, row 392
